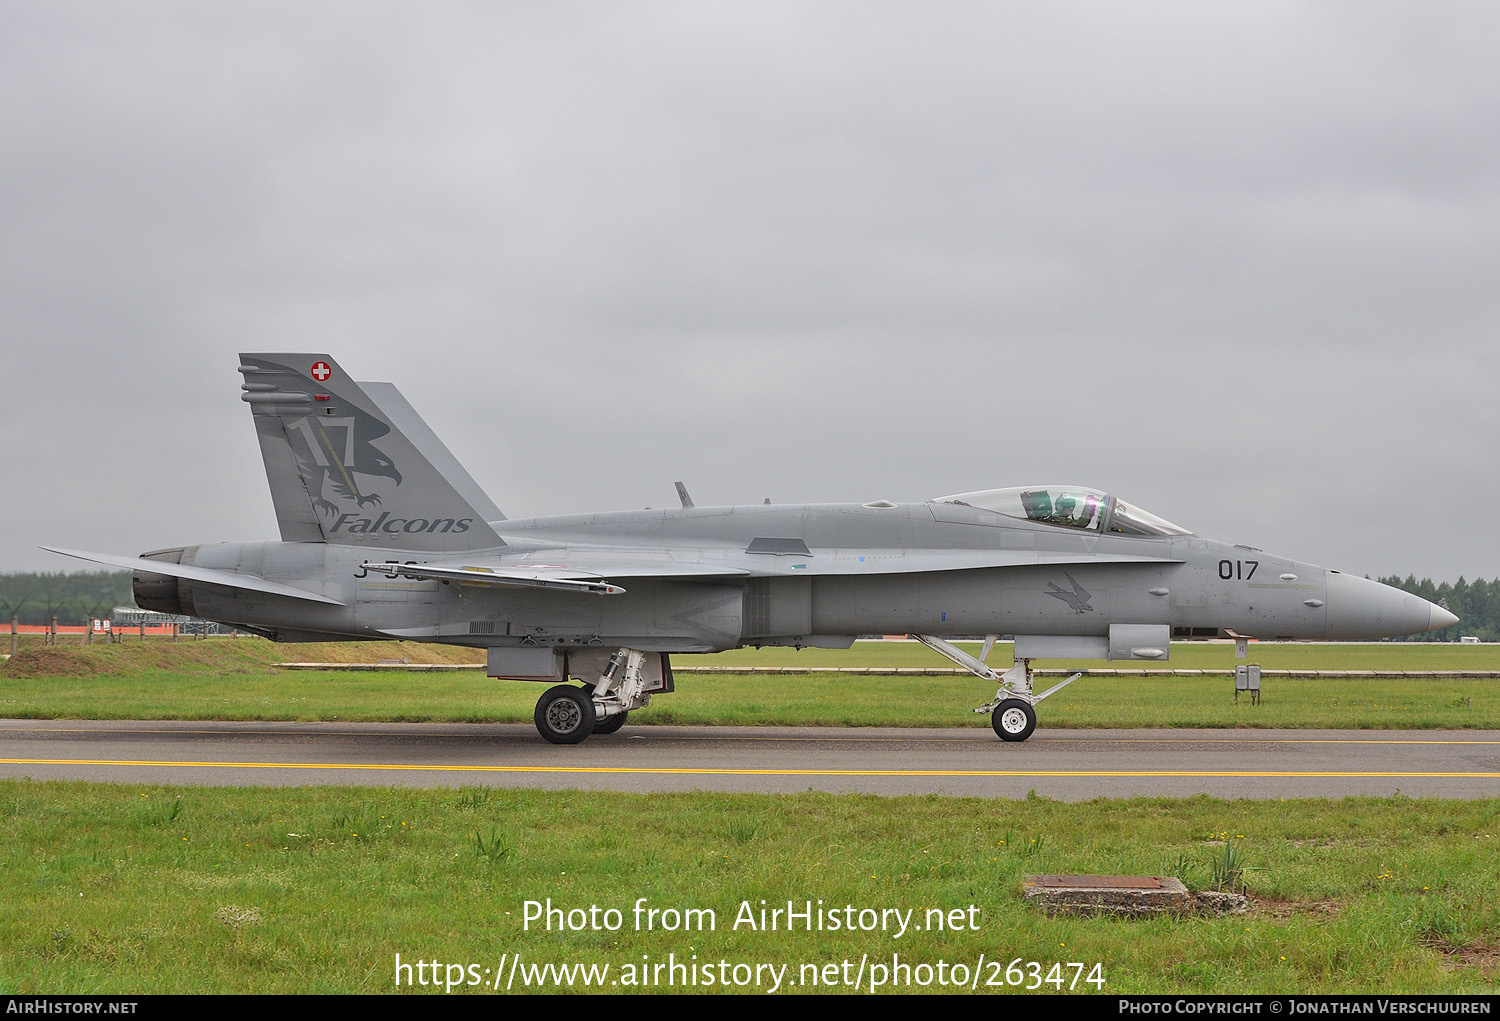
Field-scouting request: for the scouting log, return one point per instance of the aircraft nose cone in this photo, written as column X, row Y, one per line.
column 1361, row 608
column 1441, row 618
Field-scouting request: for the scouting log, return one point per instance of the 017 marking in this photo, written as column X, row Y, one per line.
column 1234, row 570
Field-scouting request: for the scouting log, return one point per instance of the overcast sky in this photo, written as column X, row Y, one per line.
column 1238, row 263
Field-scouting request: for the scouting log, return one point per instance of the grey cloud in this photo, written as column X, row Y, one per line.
column 1230, row 261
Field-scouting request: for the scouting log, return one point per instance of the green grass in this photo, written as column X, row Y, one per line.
column 159, row 889
column 70, row 655
column 136, row 889
column 236, row 679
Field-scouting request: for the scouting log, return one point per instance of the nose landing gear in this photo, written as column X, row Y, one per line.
column 1013, row 709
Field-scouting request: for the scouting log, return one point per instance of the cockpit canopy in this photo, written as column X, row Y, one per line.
column 1068, row 507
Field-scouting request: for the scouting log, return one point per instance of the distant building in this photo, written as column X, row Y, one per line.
column 134, row 616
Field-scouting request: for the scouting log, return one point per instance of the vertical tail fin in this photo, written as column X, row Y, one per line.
column 404, row 418
column 342, row 471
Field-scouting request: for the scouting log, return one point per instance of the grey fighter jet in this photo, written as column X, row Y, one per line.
column 384, row 535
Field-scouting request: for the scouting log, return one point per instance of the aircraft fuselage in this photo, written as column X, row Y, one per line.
column 1196, row 586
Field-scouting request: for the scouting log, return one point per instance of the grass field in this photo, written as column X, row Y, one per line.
column 147, row 889
column 138, row 889
column 71, row 655
column 237, row 679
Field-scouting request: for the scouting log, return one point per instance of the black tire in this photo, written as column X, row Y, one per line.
column 1013, row 720
column 610, row 724
column 565, row 715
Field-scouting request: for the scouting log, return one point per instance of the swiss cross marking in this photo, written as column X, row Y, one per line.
column 321, row 372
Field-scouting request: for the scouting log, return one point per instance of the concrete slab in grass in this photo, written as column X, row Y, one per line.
column 1126, row 896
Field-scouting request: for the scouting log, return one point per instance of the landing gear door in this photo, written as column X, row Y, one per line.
column 588, row 664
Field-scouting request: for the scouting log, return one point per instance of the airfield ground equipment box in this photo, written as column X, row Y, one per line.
column 1247, row 678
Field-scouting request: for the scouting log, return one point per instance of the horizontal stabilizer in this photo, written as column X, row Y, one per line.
column 247, row 582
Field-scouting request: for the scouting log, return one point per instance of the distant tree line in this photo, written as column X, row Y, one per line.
column 1477, row 604
column 73, row 598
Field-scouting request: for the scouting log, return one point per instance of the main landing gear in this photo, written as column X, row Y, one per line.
column 1013, row 709
column 566, row 714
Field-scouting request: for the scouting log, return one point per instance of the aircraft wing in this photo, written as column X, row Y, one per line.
column 914, row 561
column 577, row 578
column 229, row 579
column 599, row 571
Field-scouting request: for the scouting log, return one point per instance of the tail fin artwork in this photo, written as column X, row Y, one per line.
column 342, row 470
column 404, row 418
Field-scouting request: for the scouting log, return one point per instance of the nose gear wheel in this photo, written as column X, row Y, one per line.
column 1013, row 720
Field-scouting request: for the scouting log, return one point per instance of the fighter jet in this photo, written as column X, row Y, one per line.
column 384, row 535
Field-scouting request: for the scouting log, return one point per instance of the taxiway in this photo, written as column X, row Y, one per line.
column 1064, row 764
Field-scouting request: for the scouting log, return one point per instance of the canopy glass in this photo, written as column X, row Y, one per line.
column 1068, row 507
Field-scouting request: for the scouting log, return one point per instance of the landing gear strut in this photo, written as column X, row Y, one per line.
column 567, row 715
column 610, row 724
column 1013, row 707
